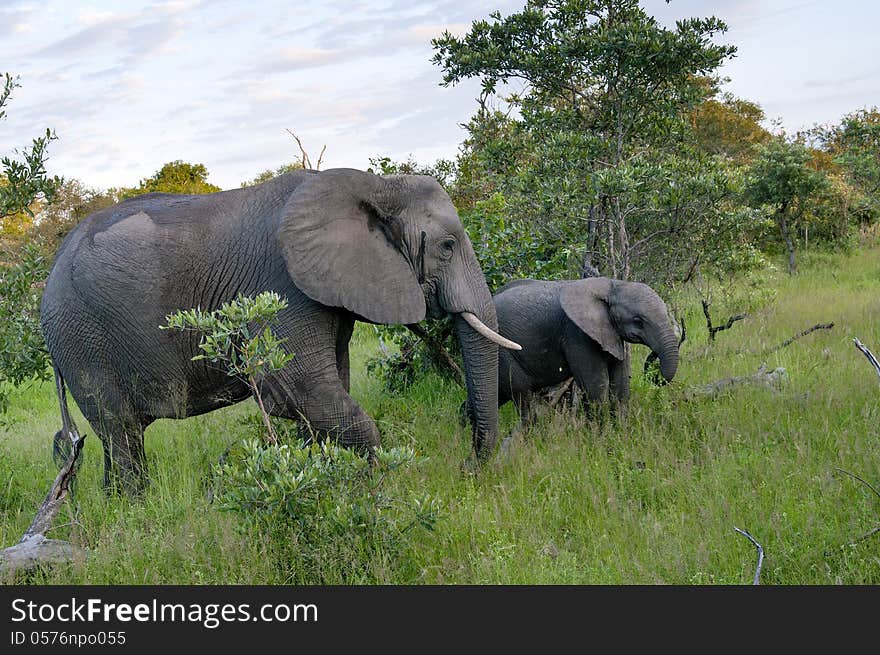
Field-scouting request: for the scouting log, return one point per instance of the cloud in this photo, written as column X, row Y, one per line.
column 14, row 21
column 133, row 37
column 838, row 82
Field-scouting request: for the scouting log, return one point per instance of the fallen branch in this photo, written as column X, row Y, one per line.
column 34, row 549
column 867, row 353
column 855, row 477
column 714, row 330
column 870, row 533
column 769, row 379
column 788, row 342
column 555, row 394
column 757, row 579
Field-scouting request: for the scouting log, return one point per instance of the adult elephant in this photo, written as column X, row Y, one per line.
column 577, row 328
column 340, row 245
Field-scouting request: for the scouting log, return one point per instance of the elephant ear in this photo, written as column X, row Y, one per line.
column 585, row 302
column 341, row 236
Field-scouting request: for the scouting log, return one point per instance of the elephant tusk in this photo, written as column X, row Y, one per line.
column 489, row 333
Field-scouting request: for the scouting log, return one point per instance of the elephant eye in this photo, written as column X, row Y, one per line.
column 447, row 246
column 638, row 322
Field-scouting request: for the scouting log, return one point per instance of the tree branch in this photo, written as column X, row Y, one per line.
column 803, row 333
column 867, row 353
column 439, row 352
column 306, row 162
column 757, row 579
column 855, row 477
column 713, row 330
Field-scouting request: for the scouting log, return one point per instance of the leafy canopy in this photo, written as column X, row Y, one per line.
column 175, row 177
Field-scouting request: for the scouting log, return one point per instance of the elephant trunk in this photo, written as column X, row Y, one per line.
column 667, row 350
column 481, row 377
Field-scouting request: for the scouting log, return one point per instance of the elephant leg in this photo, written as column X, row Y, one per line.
column 590, row 370
column 525, row 406
column 619, row 376
column 324, row 409
column 125, row 466
column 343, row 363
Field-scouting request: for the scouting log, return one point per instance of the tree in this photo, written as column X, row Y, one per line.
column 175, row 177
column 855, row 142
column 270, row 173
column 604, row 84
column 854, row 145
column 72, row 202
column 728, row 126
column 780, row 178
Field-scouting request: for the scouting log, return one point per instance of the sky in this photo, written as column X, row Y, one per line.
column 128, row 85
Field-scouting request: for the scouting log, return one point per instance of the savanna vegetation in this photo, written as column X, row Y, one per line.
column 602, row 144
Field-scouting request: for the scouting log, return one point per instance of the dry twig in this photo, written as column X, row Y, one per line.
column 306, row 162
column 855, row 477
column 871, row 532
column 803, row 333
column 757, row 579
column 714, row 330
column 867, row 353
column 555, row 394
column 440, row 353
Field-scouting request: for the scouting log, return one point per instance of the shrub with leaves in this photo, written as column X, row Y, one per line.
column 24, row 179
column 23, row 354
column 323, row 506
column 239, row 335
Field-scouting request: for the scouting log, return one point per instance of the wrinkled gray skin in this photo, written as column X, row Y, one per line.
column 341, row 245
column 577, row 328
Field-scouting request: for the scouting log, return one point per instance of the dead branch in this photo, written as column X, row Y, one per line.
column 691, row 270
column 803, row 333
column 870, row 533
column 440, row 353
column 555, row 394
column 867, row 535
column 757, row 579
column 867, row 353
column 855, row 477
column 306, row 162
column 714, row 330
column 34, row 549
column 770, row 379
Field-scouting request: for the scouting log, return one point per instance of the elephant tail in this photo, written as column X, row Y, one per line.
column 68, row 436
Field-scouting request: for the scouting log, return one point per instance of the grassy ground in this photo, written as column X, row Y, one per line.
column 651, row 499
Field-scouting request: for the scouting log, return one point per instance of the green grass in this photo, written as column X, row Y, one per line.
column 651, row 499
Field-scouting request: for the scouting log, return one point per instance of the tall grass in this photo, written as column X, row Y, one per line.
column 652, row 498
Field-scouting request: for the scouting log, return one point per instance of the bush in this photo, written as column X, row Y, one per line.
column 323, row 509
column 23, row 354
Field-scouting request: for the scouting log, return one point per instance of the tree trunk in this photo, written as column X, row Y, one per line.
column 786, row 236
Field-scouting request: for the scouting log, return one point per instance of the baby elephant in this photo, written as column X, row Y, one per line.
column 576, row 328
